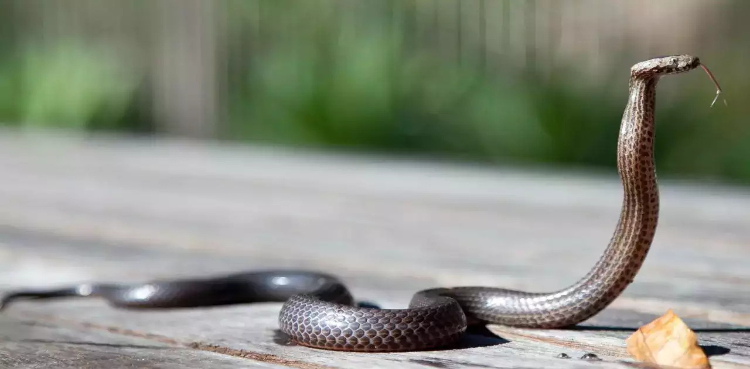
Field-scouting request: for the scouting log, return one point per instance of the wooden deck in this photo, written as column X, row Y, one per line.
column 113, row 209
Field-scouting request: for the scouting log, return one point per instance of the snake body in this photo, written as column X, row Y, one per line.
column 318, row 310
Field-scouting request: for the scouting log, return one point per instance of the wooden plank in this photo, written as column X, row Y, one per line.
column 251, row 330
column 112, row 209
column 30, row 344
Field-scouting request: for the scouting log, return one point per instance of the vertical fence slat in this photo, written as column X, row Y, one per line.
column 184, row 77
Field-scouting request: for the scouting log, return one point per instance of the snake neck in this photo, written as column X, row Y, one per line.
column 635, row 229
column 625, row 253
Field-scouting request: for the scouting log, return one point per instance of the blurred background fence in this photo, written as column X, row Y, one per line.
column 507, row 81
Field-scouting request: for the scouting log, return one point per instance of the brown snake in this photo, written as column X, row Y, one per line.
column 318, row 309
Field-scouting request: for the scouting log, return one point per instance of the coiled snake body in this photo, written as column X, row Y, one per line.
column 318, row 310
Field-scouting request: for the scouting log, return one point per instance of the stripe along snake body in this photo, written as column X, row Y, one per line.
column 318, row 309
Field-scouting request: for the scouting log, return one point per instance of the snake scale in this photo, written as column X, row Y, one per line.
column 319, row 311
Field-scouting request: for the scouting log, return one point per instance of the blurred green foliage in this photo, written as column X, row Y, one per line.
column 321, row 86
column 68, row 84
column 355, row 80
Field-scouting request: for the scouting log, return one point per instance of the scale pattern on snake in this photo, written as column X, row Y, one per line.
column 319, row 311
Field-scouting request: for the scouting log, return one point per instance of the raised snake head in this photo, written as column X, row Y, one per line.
column 665, row 65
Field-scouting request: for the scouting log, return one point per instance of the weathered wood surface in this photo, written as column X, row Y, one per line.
column 112, row 209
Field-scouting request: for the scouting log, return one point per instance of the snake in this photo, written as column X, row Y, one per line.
column 319, row 311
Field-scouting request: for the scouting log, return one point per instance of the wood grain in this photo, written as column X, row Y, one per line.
column 33, row 344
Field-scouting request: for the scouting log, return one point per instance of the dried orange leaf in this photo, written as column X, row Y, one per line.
column 667, row 341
